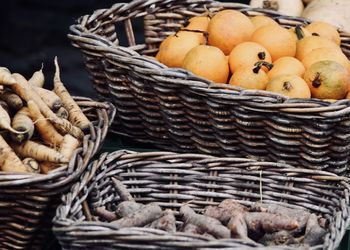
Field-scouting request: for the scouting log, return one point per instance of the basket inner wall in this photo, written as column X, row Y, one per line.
column 200, row 183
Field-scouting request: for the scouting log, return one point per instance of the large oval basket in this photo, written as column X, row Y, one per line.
column 199, row 180
column 28, row 201
column 178, row 111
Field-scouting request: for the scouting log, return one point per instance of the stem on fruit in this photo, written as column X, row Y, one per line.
column 258, row 65
column 262, row 55
column 317, row 81
column 299, row 32
column 287, row 86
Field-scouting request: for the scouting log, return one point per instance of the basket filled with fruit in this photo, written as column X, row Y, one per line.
column 47, row 139
column 161, row 200
column 224, row 79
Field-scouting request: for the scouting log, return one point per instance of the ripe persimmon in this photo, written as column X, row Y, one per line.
column 327, row 80
column 310, row 43
column 260, row 20
column 250, row 77
column 287, row 66
column 322, row 54
column 199, row 23
column 174, row 48
column 299, row 33
column 208, row 62
column 229, row 28
column 277, row 40
column 289, row 85
column 247, row 54
column 325, row 30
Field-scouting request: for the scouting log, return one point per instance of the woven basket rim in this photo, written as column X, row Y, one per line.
column 63, row 224
column 70, row 171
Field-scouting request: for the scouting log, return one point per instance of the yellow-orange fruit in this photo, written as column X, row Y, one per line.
column 247, row 54
column 323, row 54
column 289, row 85
column 259, row 21
column 287, row 66
column 311, row 43
column 229, row 28
column 208, row 62
column 327, row 80
column 249, row 77
column 199, row 23
column 325, row 30
column 299, row 34
column 277, row 40
column 174, row 48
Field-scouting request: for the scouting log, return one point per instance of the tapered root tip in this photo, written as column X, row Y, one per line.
column 57, row 70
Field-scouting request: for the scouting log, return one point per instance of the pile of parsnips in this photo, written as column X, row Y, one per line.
column 40, row 128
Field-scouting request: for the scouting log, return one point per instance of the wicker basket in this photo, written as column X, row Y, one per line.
column 28, row 202
column 177, row 111
column 200, row 180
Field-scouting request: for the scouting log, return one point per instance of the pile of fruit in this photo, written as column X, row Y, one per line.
column 258, row 53
column 267, row 224
column 41, row 128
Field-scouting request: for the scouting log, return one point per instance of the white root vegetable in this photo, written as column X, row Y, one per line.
column 49, row 97
column 5, row 122
column 68, row 145
column 286, row 7
column 26, row 92
column 5, row 77
column 76, row 115
column 9, row 161
column 32, row 165
column 335, row 12
column 22, row 122
column 44, row 127
column 39, row 152
column 62, row 113
column 38, row 78
column 13, row 101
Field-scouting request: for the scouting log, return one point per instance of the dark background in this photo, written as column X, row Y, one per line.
column 34, row 31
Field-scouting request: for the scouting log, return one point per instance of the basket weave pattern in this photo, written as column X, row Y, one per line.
column 28, row 201
column 178, row 111
column 174, row 179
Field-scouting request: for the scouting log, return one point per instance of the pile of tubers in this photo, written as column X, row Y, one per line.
column 41, row 129
column 266, row 224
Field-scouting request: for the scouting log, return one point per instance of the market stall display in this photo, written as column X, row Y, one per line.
column 251, row 104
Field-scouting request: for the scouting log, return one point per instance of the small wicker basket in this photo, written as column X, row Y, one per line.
column 28, row 202
column 174, row 179
column 178, row 111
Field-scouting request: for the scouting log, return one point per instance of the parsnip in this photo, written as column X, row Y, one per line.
column 76, row 115
column 25, row 91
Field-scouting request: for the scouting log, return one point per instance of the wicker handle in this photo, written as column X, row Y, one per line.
column 101, row 24
column 123, row 11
